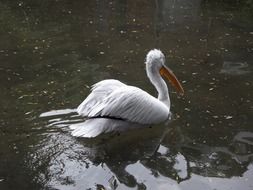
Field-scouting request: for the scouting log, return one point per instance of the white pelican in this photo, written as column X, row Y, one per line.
column 113, row 105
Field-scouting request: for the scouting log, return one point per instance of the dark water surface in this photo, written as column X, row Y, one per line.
column 52, row 51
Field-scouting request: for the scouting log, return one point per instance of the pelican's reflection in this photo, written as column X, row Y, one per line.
column 132, row 159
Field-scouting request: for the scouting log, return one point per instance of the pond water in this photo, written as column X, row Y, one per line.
column 52, row 51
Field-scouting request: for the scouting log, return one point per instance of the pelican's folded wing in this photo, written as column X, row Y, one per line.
column 99, row 92
column 131, row 104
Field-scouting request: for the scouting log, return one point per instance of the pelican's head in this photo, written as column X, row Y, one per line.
column 155, row 59
column 155, row 65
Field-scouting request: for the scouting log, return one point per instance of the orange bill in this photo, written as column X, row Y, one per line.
column 169, row 75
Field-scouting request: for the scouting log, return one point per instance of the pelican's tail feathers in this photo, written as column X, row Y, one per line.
column 87, row 129
column 97, row 126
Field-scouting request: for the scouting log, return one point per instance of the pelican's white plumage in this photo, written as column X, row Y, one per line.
column 122, row 101
column 116, row 100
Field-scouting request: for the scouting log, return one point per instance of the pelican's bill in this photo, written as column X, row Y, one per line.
column 169, row 75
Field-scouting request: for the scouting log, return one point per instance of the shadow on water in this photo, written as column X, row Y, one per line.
column 51, row 52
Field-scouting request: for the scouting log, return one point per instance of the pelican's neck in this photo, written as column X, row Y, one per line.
column 160, row 85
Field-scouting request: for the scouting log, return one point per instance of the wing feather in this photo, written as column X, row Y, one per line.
column 98, row 93
column 129, row 103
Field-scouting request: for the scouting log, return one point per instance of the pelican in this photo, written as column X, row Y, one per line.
column 113, row 105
